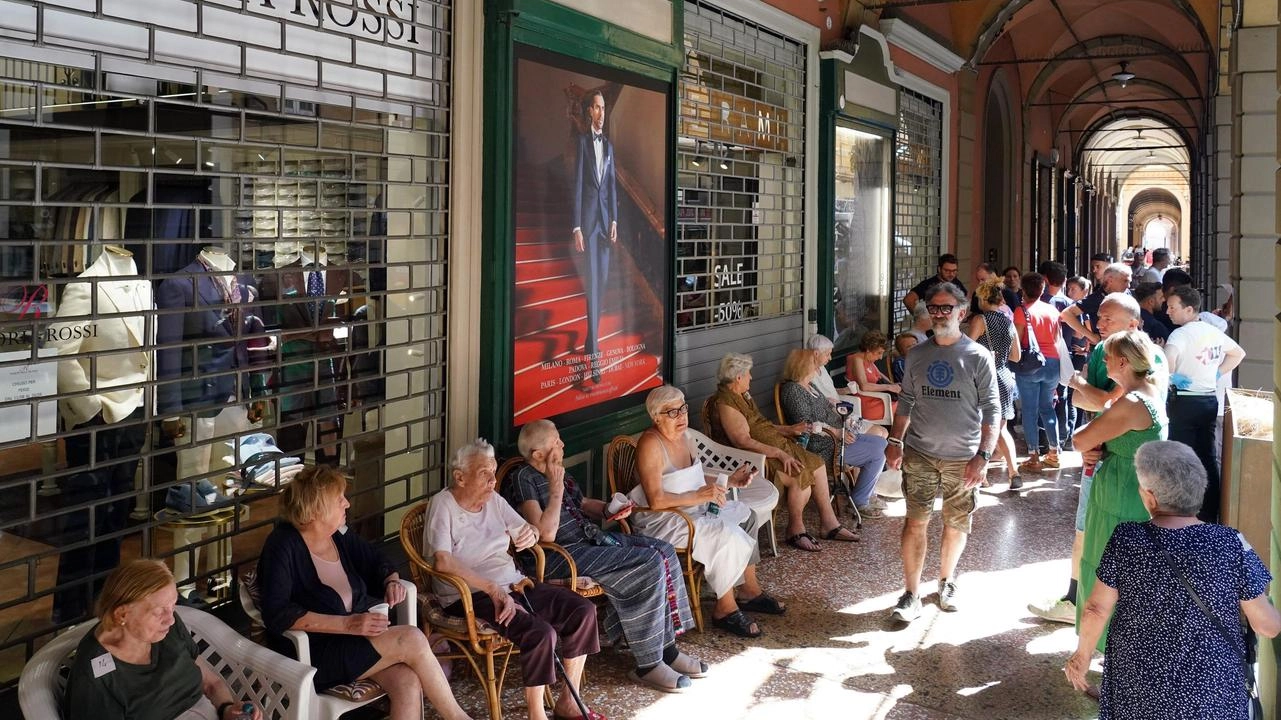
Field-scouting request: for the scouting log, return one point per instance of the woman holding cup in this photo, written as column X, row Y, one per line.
column 316, row 577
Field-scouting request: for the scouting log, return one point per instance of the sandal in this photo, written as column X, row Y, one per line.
column 1031, row 466
column 737, row 623
column 689, row 666
column 591, row 715
column 795, row 541
column 1051, row 461
column 835, row 534
column 763, row 603
column 663, row 678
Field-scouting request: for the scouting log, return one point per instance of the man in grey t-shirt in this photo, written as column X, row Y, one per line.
column 944, row 431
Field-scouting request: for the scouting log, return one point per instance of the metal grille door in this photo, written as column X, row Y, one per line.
column 918, row 198
column 741, row 172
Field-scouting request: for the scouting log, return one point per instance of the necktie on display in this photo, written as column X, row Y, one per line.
column 315, row 289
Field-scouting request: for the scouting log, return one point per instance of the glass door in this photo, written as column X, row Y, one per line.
column 861, row 240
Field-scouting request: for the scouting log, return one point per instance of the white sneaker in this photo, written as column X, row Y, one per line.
column 907, row 609
column 947, row 596
column 877, row 502
column 1061, row 611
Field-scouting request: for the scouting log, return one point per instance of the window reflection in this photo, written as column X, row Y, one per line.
column 862, row 239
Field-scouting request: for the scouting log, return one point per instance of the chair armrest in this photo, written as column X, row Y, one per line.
column 689, row 523
column 569, row 560
column 406, row 613
column 302, row 646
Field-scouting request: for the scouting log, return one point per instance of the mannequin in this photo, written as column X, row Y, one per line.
column 307, row 381
column 206, row 373
column 107, row 312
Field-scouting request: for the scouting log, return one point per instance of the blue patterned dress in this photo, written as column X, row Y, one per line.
column 648, row 603
column 1164, row 658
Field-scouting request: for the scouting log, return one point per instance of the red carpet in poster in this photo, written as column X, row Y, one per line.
column 550, row 321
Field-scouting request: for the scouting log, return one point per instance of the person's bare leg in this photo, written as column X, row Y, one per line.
column 1078, row 549
column 403, row 691
column 796, row 500
column 534, row 701
column 725, row 605
column 408, row 645
column 565, row 705
column 913, row 550
column 751, row 586
column 950, row 555
column 822, row 497
column 1005, row 446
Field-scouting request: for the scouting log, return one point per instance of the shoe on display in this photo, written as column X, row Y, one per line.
column 1060, row 611
column 947, row 596
column 907, row 609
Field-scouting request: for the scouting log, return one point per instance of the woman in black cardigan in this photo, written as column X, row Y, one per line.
column 317, row 578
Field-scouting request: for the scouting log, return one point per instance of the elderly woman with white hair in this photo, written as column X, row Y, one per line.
column 671, row 477
column 648, row 602
column 467, row 531
column 1175, row 589
column 736, row 420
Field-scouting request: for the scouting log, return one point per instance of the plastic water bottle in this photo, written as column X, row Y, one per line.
column 723, row 480
column 803, row 440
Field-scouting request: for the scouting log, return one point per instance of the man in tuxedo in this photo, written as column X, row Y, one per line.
column 595, row 219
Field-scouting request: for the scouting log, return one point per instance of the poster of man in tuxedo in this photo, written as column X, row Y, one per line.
column 589, row 316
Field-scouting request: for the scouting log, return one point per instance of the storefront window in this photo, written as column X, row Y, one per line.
column 206, row 285
column 862, row 242
column 741, row 172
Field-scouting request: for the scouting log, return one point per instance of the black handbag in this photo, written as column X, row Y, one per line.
column 1032, row 359
column 1248, row 639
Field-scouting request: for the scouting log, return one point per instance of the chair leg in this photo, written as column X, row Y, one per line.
column 694, row 585
column 491, row 689
column 773, row 533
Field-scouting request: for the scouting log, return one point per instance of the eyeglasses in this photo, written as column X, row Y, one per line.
column 676, row 412
column 940, row 309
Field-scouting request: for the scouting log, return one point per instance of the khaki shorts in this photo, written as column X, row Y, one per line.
column 925, row 477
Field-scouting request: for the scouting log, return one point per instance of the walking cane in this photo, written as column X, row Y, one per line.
column 519, row 590
column 842, row 478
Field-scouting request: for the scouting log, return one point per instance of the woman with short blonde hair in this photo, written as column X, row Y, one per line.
column 317, row 577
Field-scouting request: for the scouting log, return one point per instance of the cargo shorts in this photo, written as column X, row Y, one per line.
column 926, row 477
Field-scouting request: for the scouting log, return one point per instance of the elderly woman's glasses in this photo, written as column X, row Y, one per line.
column 676, row 412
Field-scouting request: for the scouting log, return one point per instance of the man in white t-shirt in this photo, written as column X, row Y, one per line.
column 1198, row 354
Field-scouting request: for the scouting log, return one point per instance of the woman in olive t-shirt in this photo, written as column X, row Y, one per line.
column 140, row 662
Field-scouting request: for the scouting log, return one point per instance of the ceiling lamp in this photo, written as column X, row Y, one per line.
column 1123, row 76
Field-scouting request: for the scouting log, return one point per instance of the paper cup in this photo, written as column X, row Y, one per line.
column 381, row 609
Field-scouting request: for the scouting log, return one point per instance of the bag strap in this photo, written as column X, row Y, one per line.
column 1173, row 564
column 1032, row 344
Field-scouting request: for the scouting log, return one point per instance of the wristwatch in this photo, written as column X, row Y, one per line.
column 985, row 454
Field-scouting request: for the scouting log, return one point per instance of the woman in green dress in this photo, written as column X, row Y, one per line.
column 1112, row 439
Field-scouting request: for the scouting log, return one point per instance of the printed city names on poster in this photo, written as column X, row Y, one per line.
column 590, row 182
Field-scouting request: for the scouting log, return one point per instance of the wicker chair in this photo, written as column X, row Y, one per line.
column 474, row 640
column 280, row 687
column 620, row 469
column 583, row 585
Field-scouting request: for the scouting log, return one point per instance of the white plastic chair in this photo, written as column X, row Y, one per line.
column 760, row 495
column 888, row 420
column 281, row 687
column 332, row 703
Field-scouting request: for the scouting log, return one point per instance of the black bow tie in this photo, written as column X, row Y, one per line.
column 596, row 137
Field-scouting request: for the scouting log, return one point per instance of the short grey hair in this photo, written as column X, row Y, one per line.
column 1118, row 269
column 534, row 436
column 660, row 396
column 948, row 288
column 1124, row 301
column 920, row 311
column 465, row 456
column 819, row 343
column 732, row 366
column 1173, row 473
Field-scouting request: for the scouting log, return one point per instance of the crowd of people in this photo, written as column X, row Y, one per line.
column 1074, row 363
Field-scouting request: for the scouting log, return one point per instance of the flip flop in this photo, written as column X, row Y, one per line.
column 835, row 534
column 763, row 603
column 738, row 624
column 795, row 541
column 591, row 715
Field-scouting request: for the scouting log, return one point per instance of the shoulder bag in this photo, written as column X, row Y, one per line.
column 1247, row 633
column 1032, row 359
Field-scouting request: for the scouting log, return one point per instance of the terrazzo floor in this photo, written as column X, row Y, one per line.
column 836, row 653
